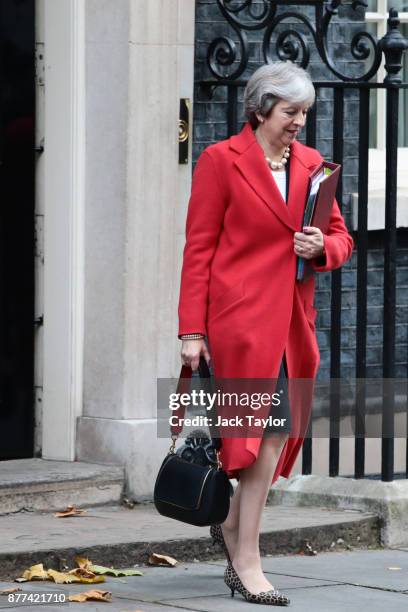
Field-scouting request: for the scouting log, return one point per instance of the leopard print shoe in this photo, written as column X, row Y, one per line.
column 269, row 598
column 218, row 538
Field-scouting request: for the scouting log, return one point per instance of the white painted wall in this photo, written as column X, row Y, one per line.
column 107, row 85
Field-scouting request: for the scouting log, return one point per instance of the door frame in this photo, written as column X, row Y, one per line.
column 61, row 199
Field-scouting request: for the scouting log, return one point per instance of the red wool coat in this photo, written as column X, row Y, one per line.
column 238, row 282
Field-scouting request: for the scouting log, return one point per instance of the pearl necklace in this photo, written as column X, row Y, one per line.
column 278, row 165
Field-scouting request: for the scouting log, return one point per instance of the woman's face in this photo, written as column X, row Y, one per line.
column 284, row 123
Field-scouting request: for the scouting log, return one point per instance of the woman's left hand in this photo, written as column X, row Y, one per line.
column 309, row 243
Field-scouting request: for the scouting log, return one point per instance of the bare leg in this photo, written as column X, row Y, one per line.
column 231, row 524
column 255, row 482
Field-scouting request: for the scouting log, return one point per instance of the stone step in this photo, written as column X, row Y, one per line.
column 40, row 484
column 121, row 537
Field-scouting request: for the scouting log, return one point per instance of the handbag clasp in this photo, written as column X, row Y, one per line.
column 173, row 444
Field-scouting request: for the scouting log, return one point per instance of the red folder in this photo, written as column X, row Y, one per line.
column 318, row 209
column 325, row 196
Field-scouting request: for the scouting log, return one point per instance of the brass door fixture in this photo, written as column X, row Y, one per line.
column 184, row 130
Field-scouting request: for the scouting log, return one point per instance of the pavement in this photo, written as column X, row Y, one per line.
column 363, row 580
column 354, row 575
column 120, row 536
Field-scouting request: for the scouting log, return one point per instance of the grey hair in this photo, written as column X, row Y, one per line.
column 274, row 82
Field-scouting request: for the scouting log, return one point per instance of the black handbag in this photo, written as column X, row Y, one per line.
column 187, row 491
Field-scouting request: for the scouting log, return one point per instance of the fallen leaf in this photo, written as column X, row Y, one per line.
column 99, row 569
column 156, row 559
column 94, row 580
column 95, row 595
column 7, row 591
column 85, row 576
column 35, row 572
column 83, row 562
column 69, row 511
column 86, row 564
column 81, row 572
column 61, row 577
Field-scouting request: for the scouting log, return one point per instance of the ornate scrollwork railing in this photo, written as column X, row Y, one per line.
column 228, row 62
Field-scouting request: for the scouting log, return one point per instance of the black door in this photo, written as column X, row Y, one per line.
column 17, row 113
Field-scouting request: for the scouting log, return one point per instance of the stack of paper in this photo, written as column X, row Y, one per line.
column 319, row 202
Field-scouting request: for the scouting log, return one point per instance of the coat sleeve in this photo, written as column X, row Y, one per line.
column 205, row 216
column 338, row 244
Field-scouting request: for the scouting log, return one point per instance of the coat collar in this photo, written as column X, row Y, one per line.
column 251, row 163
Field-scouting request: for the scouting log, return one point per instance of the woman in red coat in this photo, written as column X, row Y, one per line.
column 240, row 303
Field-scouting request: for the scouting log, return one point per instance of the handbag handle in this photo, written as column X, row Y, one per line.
column 183, row 386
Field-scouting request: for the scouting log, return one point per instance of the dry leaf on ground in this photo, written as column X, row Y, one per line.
column 87, row 565
column 36, row 572
column 7, row 591
column 78, row 575
column 95, row 595
column 75, row 575
column 83, row 562
column 61, row 577
column 86, row 576
column 82, row 572
column 99, row 569
column 69, row 511
column 156, row 559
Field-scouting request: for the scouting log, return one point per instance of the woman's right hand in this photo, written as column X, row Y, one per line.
column 191, row 350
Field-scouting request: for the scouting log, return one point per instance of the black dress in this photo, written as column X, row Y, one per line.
column 283, row 410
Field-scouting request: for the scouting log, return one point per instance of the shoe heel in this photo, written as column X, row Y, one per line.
column 232, row 592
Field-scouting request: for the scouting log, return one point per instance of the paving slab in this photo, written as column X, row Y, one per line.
column 123, row 597
column 117, row 604
column 368, row 568
column 321, row 599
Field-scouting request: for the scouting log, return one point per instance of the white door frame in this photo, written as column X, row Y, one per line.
column 62, row 24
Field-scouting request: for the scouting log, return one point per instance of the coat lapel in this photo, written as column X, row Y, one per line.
column 253, row 167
